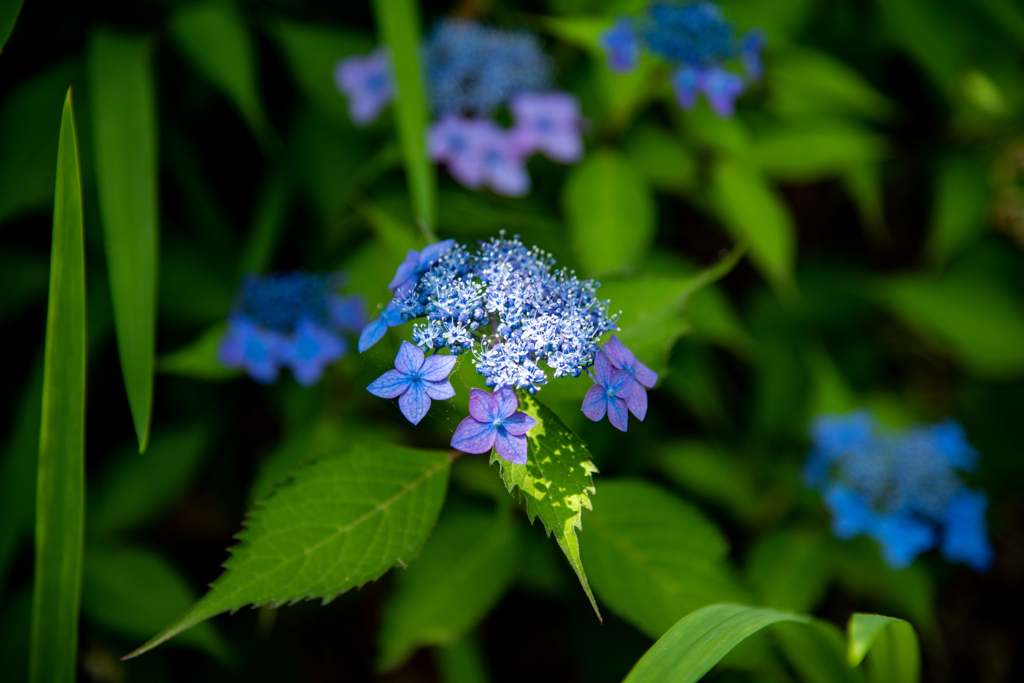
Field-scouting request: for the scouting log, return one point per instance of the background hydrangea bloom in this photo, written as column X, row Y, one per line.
column 899, row 488
column 479, row 153
column 291, row 319
column 621, row 46
column 366, row 83
column 549, row 123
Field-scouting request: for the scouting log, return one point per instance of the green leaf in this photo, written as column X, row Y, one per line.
column 555, row 482
column 60, row 492
column 215, row 39
column 399, row 25
column 462, row 662
column 8, row 17
column 711, row 474
column 895, row 653
column 269, row 216
column 198, row 359
column 133, row 592
column 804, row 152
column 750, row 208
column 124, row 136
column 339, row 522
column 654, row 558
column 699, row 641
column 135, row 488
column 816, row 651
column 470, row 562
column 961, row 201
column 662, row 158
column 611, row 212
column 791, row 569
column 312, row 51
column 806, row 82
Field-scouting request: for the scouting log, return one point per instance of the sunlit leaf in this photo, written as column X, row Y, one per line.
column 339, row 522
column 555, row 482
column 468, row 565
column 60, row 492
column 895, row 655
column 654, row 558
column 124, row 135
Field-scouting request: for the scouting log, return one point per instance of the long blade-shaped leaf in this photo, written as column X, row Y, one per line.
column 400, row 28
column 555, row 481
column 339, row 522
column 700, row 640
column 895, row 655
column 124, row 135
column 8, row 15
column 60, row 484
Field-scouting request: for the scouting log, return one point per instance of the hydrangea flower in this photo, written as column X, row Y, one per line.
column 293, row 319
column 415, row 264
column 899, row 488
column 494, row 422
column 609, row 394
column 415, row 381
column 549, row 123
column 479, row 153
column 623, row 359
column 698, row 41
column 366, row 82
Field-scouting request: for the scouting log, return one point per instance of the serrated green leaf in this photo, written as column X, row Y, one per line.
column 895, row 655
column 124, row 136
column 699, row 641
column 339, row 522
column 60, row 482
column 654, row 558
column 470, row 562
column 555, row 482
column 398, row 22
column 611, row 212
column 215, row 39
column 198, row 359
column 133, row 592
column 136, row 487
column 8, row 17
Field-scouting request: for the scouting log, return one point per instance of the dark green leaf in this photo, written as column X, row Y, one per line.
column 699, row 641
column 124, row 134
column 816, row 651
column 399, row 26
column 555, row 481
column 23, row 278
column 339, row 522
column 199, row 358
column 611, row 212
column 8, row 17
column 462, row 662
column 60, row 492
column 960, row 201
column 713, row 475
column 809, row 83
column 662, row 158
column 895, row 655
column 791, row 569
column 470, row 562
column 803, row 152
column 653, row 558
column 268, row 225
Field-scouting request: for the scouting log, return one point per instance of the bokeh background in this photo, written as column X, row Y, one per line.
column 875, row 172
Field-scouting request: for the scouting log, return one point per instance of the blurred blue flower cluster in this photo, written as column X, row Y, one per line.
column 296, row 320
column 900, row 488
column 508, row 306
column 472, row 71
column 697, row 39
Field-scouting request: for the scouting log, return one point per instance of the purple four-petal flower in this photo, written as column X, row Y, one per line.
column 415, row 380
column 310, row 350
column 248, row 347
column 623, row 359
column 494, row 422
column 366, row 82
column 548, row 123
column 621, row 45
column 609, row 394
column 415, row 264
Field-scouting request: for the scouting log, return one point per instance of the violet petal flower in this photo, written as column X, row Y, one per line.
column 751, row 46
column 374, row 332
column 549, row 123
column 623, row 359
column 609, row 394
column 415, row 381
column 621, row 46
column 494, row 422
column 503, row 168
column 686, row 83
column 721, row 88
column 479, row 153
column 366, row 82
column 248, row 347
column 310, row 351
column 415, row 264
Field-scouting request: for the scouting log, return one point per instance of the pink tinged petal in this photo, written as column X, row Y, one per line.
column 621, row 353
column 474, row 437
column 468, row 170
column 439, row 391
column 506, row 400
column 519, row 423
column 409, row 358
column 510, row 447
column 644, row 375
column 618, row 413
column 603, row 369
column 391, row 384
column 414, row 403
column 595, row 403
column 482, row 406
column 436, row 368
column 637, row 401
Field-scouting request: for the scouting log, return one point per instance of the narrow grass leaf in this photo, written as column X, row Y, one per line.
column 124, row 137
column 399, row 26
column 341, row 521
column 8, row 16
column 895, row 655
column 60, row 483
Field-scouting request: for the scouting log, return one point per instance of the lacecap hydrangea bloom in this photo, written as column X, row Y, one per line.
column 296, row 320
column 900, row 488
column 472, row 72
column 698, row 41
column 520, row 320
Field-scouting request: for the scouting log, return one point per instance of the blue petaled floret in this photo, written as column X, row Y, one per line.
column 295, row 320
column 689, row 33
column 474, row 69
column 901, row 489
